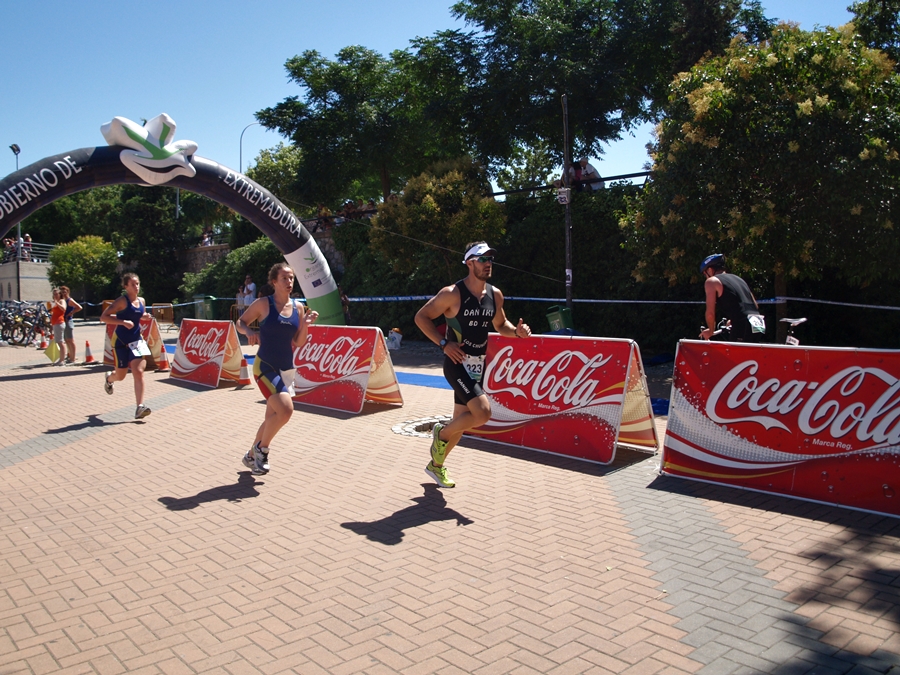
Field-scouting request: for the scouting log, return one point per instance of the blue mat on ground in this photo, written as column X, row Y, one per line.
column 660, row 406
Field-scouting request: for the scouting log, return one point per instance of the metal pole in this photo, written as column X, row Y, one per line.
column 241, row 148
column 568, row 203
column 15, row 149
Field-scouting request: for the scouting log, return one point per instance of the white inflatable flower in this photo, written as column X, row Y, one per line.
column 151, row 154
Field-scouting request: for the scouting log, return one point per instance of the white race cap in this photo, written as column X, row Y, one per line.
column 478, row 249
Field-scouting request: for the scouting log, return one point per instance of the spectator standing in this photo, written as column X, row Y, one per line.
column 589, row 174
column 72, row 306
column 323, row 213
column 345, row 305
column 26, row 247
column 249, row 290
column 57, row 324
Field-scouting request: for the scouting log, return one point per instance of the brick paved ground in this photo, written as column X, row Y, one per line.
column 146, row 547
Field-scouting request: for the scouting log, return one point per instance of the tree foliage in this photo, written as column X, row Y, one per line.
column 501, row 85
column 87, row 265
column 878, row 22
column 359, row 119
column 783, row 156
column 438, row 212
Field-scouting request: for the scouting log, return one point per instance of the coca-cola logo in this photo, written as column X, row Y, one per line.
column 205, row 345
column 338, row 358
column 565, row 377
column 859, row 400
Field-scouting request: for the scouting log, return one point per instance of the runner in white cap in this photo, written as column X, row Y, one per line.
column 470, row 306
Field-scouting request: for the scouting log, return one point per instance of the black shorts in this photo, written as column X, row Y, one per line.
column 464, row 387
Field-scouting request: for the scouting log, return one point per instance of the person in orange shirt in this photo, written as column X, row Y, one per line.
column 58, row 324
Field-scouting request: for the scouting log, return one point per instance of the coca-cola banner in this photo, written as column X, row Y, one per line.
column 567, row 395
column 150, row 333
column 343, row 367
column 820, row 424
column 208, row 352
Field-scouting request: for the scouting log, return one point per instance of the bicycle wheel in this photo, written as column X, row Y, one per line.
column 18, row 334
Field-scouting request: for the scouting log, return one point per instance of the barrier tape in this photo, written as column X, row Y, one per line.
column 779, row 300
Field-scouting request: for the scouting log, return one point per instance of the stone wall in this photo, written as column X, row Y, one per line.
column 33, row 279
column 195, row 259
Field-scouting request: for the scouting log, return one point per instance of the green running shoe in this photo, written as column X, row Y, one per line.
column 438, row 447
column 439, row 475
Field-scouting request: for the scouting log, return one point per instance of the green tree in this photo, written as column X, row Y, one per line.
column 87, row 264
column 445, row 207
column 501, row 85
column 145, row 228
column 360, row 119
column 878, row 22
column 783, row 156
column 276, row 170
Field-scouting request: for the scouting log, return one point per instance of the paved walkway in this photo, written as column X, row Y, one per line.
column 146, row 547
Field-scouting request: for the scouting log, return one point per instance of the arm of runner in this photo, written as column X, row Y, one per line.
column 445, row 302
column 503, row 325
column 109, row 314
column 711, row 287
column 257, row 311
column 306, row 320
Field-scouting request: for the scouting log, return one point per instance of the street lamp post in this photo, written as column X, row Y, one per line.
column 241, row 148
column 16, row 150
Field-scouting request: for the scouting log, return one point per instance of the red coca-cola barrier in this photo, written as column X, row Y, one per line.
column 342, row 367
column 816, row 423
column 208, row 353
column 573, row 396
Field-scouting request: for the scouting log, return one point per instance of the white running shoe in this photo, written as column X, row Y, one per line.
column 141, row 412
column 256, row 460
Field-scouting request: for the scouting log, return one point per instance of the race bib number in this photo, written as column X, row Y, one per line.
column 474, row 366
column 139, row 348
column 757, row 323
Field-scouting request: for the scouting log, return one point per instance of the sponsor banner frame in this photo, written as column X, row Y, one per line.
column 342, row 367
column 578, row 397
column 207, row 354
column 150, row 333
column 821, row 424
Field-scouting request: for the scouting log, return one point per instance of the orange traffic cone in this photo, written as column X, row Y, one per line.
column 88, row 356
column 44, row 344
column 163, row 365
column 245, row 375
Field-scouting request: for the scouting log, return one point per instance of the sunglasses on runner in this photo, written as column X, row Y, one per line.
column 485, row 259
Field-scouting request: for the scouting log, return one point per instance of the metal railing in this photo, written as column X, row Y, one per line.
column 28, row 252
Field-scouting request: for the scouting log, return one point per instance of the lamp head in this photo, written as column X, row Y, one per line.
column 15, row 148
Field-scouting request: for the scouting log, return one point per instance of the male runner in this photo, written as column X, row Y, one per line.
column 470, row 306
column 730, row 297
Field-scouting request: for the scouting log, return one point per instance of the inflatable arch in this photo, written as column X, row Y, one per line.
column 147, row 155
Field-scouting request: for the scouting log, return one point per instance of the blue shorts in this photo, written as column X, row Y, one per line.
column 270, row 380
column 122, row 352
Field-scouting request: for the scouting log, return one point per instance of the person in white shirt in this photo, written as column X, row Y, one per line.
column 589, row 173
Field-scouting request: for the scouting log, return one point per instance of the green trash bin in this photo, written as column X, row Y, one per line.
column 560, row 318
column 204, row 307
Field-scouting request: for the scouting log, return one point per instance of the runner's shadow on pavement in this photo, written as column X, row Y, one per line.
column 47, row 371
column 92, row 421
column 430, row 507
column 243, row 489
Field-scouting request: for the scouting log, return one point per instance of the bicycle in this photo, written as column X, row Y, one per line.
column 724, row 326
column 790, row 338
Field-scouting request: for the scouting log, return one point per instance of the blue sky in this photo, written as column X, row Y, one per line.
column 71, row 66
